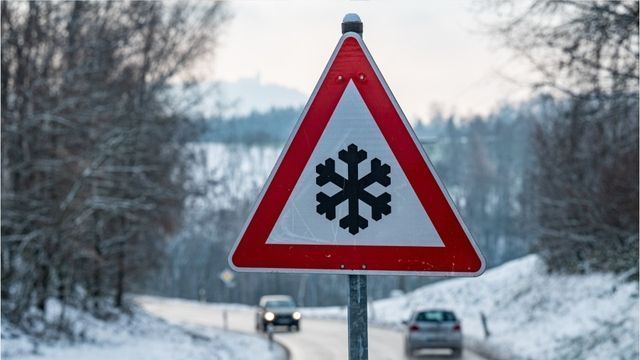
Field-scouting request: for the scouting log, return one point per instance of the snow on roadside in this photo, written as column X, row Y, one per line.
column 531, row 314
column 197, row 306
column 138, row 337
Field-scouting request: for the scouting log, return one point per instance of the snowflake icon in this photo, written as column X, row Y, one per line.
column 353, row 189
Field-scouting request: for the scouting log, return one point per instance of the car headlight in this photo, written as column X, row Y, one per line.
column 296, row 315
column 269, row 316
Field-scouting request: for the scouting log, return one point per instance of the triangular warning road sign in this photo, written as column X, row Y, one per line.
column 353, row 191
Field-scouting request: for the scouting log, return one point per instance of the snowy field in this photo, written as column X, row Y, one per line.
column 531, row 314
column 235, row 169
column 136, row 337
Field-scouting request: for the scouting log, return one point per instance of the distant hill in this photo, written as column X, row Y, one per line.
column 251, row 94
column 268, row 127
column 236, row 98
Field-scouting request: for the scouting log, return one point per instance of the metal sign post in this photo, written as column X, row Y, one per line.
column 357, row 318
column 357, row 308
column 227, row 278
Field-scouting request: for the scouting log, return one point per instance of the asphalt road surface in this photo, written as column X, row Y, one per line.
column 317, row 340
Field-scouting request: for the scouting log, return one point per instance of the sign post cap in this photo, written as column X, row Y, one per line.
column 352, row 23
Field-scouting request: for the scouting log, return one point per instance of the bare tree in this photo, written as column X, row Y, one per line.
column 94, row 157
column 586, row 148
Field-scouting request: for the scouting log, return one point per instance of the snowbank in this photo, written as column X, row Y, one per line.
column 138, row 337
column 531, row 314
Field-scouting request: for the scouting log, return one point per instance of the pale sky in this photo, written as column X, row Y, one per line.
column 430, row 52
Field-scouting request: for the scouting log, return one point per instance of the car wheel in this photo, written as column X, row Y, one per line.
column 407, row 351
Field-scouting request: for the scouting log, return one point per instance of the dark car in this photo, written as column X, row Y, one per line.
column 277, row 311
column 433, row 329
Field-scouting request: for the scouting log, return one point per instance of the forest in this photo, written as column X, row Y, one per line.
column 112, row 187
column 94, row 163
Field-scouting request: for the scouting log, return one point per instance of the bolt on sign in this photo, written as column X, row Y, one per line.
column 353, row 191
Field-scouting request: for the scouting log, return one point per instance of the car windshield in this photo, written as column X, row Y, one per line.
column 279, row 304
column 435, row 316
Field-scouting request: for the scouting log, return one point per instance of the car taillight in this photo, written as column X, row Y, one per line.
column 457, row 327
column 414, row 327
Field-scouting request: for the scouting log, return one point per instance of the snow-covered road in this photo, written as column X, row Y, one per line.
column 318, row 339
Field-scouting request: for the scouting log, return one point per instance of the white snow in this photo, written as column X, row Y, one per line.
column 531, row 314
column 139, row 336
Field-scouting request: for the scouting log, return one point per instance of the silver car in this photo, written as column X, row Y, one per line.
column 433, row 329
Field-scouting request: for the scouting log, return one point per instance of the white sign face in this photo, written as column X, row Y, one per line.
column 405, row 223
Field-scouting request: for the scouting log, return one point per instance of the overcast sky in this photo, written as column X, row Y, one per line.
column 430, row 52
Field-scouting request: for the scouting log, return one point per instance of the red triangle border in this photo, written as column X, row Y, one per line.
column 459, row 257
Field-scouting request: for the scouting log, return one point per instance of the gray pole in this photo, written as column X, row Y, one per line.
column 357, row 309
column 357, row 318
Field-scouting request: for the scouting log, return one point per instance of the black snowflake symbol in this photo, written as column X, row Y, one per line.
column 353, row 189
